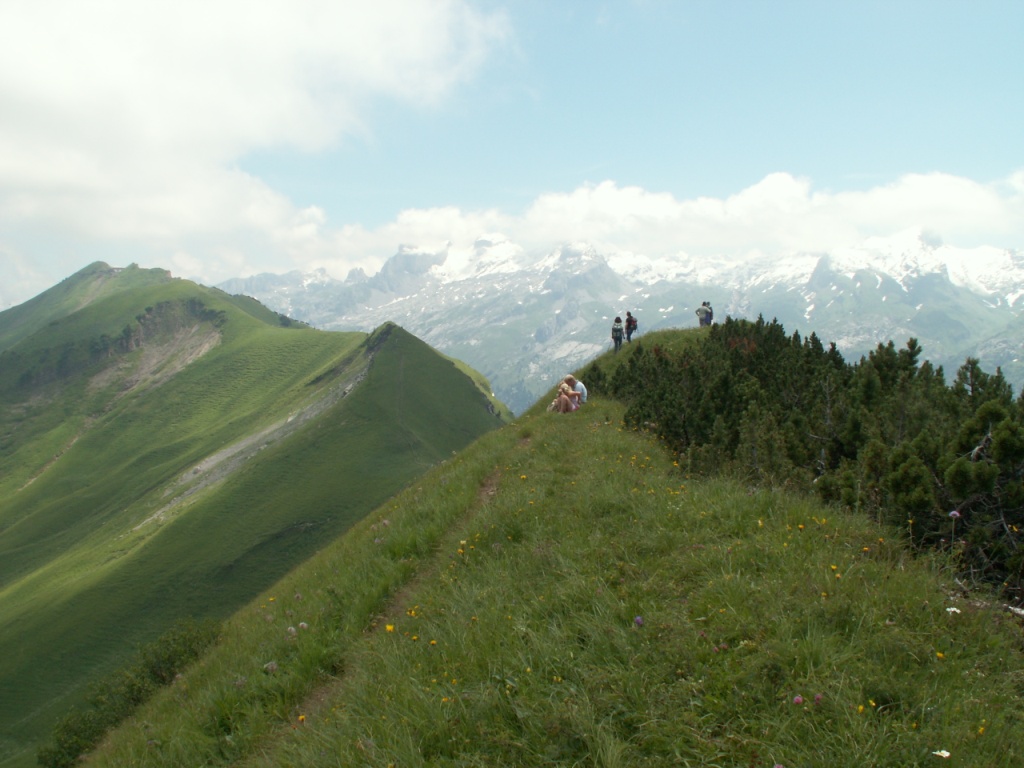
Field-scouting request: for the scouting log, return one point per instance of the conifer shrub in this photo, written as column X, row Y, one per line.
column 885, row 435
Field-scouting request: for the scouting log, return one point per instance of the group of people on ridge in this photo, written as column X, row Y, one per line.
column 571, row 392
column 620, row 329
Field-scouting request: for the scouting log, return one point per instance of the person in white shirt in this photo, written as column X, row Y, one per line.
column 577, row 386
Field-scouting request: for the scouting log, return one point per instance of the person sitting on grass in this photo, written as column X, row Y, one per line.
column 566, row 400
column 577, row 386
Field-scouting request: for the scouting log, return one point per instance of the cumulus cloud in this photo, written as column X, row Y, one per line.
column 779, row 216
column 126, row 120
column 122, row 126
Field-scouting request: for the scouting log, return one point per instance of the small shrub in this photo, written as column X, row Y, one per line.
column 114, row 698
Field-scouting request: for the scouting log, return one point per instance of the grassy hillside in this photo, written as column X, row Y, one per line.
column 167, row 450
column 86, row 286
column 560, row 593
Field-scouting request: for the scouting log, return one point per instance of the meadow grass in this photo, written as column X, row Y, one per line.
column 95, row 559
column 560, row 593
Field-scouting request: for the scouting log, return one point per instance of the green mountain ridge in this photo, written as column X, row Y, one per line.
column 571, row 590
column 560, row 593
column 168, row 450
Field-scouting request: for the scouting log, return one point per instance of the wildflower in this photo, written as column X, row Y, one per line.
column 292, row 631
column 941, row 753
column 860, row 709
column 522, row 477
column 303, row 625
column 798, row 699
column 952, row 609
column 389, row 628
column 818, row 697
column 302, row 718
column 433, row 642
column 940, row 655
column 954, row 514
column 639, row 621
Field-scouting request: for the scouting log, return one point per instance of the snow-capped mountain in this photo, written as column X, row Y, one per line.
column 526, row 319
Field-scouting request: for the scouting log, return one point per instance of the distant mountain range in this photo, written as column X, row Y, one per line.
column 523, row 320
column 168, row 450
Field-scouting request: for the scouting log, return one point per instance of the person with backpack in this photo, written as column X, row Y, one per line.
column 704, row 314
column 630, row 326
column 617, row 333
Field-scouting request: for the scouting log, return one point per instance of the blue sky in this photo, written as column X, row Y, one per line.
column 220, row 139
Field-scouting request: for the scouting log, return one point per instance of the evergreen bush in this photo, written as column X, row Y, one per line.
column 884, row 435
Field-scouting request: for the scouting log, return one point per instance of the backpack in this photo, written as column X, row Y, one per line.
column 631, row 323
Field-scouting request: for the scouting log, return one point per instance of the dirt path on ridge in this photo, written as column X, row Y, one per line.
column 315, row 703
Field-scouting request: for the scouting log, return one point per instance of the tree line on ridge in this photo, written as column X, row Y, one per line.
column 884, row 435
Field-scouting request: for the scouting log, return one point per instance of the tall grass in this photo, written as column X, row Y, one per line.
column 560, row 593
column 95, row 558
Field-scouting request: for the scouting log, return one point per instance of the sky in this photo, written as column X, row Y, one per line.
column 220, row 138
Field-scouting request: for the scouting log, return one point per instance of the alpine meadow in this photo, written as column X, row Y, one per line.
column 743, row 550
column 167, row 452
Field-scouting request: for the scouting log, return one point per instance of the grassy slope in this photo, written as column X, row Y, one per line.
column 94, row 282
column 81, row 582
column 560, row 594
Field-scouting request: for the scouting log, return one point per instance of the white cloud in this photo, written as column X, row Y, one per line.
column 124, row 120
column 778, row 217
column 122, row 124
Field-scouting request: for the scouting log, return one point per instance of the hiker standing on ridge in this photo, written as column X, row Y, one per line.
column 630, row 326
column 617, row 333
column 703, row 314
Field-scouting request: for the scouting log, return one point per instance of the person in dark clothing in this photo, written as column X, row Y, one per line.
column 630, row 326
column 617, row 332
